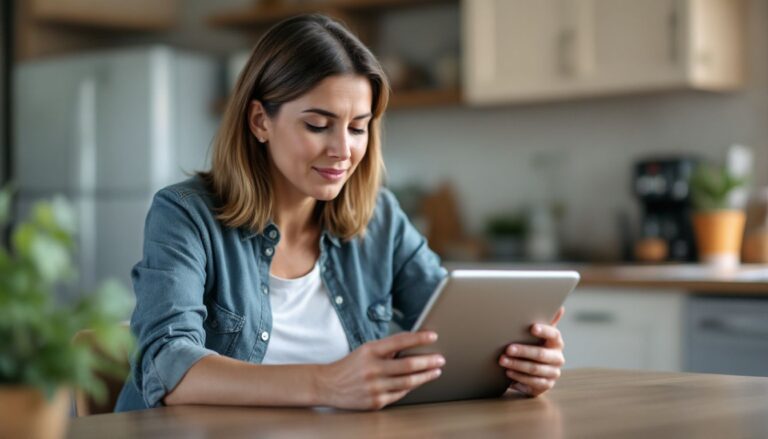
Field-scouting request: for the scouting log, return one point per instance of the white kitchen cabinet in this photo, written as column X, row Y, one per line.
column 530, row 50
column 630, row 329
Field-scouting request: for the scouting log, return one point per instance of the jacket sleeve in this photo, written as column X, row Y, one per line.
column 416, row 268
column 169, row 283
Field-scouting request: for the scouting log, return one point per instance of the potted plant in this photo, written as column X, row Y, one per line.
column 506, row 235
column 39, row 361
column 718, row 224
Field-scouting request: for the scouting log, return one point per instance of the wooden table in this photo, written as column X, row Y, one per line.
column 587, row 403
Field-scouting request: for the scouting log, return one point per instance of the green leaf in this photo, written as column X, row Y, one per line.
column 36, row 347
column 50, row 257
column 5, row 206
column 711, row 187
column 64, row 215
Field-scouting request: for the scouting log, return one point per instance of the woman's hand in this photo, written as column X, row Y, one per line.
column 534, row 369
column 371, row 378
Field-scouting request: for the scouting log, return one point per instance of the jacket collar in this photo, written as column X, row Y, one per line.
column 267, row 233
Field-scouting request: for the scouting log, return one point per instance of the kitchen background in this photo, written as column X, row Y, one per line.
column 552, row 159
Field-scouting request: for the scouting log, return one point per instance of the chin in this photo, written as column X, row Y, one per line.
column 327, row 193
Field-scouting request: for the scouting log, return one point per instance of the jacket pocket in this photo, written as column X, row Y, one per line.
column 222, row 328
column 380, row 313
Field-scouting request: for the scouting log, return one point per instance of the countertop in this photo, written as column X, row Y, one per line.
column 747, row 279
column 586, row 403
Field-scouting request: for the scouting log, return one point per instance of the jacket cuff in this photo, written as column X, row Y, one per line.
column 168, row 368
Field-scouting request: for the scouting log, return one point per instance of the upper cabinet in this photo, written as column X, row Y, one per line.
column 51, row 27
column 536, row 50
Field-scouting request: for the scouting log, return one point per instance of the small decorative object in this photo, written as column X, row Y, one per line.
column 756, row 230
column 651, row 250
column 506, row 235
column 446, row 70
column 718, row 225
column 39, row 362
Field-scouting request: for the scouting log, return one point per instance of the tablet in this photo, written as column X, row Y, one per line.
column 476, row 314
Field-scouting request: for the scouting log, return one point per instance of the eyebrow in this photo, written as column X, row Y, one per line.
column 327, row 113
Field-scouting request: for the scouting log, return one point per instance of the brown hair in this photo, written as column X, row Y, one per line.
column 288, row 61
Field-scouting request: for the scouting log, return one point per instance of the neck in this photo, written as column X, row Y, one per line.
column 294, row 214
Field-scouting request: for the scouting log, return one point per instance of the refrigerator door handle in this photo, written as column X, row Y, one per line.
column 86, row 157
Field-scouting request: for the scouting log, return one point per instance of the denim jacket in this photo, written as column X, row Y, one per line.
column 203, row 288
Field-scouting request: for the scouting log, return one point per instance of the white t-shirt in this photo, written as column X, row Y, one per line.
column 305, row 326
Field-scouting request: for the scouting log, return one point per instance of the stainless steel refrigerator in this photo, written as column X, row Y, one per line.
column 107, row 130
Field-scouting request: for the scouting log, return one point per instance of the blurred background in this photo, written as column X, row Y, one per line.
column 520, row 133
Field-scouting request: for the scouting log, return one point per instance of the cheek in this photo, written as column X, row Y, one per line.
column 296, row 151
column 359, row 151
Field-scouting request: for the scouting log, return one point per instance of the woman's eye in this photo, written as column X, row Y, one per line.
column 315, row 128
column 356, row 131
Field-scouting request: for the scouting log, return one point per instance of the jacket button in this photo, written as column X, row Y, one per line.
column 268, row 251
column 265, row 335
column 265, row 289
column 339, row 300
column 272, row 234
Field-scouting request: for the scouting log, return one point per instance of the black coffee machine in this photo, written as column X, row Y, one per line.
column 661, row 185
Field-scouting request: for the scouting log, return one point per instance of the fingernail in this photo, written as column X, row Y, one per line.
column 438, row 372
column 513, row 350
column 505, row 361
column 522, row 388
column 433, row 336
column 536, row 329
column 440, row 361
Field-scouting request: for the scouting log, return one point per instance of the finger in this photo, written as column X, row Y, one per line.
column 530, row 367
column 535, row 353
column 409, row 382
column 537, row 385
column 389, row 398
column 550, row 334
column 522, row 388
column 416, row 363
column 404, row 340
column 558, row 315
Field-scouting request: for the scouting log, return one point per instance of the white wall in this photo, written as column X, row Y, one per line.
column 488, row 152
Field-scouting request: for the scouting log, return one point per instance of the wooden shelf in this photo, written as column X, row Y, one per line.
column 266, row 14
column 398, row 100
column 362, row 13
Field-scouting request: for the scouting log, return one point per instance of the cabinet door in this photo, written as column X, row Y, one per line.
column 637, row 44
column 511, row 49
column 623, row 329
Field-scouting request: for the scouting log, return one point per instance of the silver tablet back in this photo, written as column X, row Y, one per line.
column 476, row 314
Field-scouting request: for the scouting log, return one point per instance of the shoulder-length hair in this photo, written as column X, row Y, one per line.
column 287, row 62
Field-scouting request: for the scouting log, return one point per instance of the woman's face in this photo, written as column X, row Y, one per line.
column 316, row 141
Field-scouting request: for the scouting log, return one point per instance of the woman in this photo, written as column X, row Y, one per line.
column 273, row 278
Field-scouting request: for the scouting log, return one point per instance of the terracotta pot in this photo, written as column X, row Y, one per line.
column 26, row 413
column 718, row 236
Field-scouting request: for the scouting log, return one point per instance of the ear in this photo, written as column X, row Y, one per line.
column 258, row 121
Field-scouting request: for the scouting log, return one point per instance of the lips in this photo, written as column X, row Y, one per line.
column 331, row 174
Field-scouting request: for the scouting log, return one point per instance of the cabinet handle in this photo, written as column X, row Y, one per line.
column 742, row 327
column 674, row 35
column 595, row 317
column 565, row 51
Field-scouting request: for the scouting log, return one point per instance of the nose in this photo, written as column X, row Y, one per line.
column 340, row 146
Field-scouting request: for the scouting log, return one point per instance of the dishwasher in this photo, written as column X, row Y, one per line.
column 727, row 335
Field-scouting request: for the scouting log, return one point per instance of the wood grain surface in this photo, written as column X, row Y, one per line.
column 587, row 403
